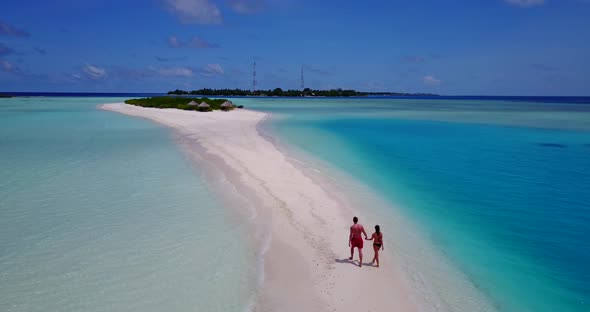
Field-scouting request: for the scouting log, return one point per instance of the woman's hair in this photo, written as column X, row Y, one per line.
column 377, row 229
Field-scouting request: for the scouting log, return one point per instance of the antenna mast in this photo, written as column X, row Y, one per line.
column 254, row 78
column 302, row 81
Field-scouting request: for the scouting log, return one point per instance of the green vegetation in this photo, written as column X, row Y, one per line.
column 178, row 102
column 281, row 92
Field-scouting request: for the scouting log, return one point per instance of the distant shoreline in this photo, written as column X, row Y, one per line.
column 508, row 98
column 558, row 100
column 278, row 92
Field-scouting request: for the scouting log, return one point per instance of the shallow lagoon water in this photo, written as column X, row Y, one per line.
column 103, row 212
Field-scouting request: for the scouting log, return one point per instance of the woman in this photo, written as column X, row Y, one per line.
column 377, row 239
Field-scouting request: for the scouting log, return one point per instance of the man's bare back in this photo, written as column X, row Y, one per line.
column 356, row 230
column 355, row 240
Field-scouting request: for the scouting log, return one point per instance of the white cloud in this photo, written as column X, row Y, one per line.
column 195, row 43
column 40, row 50
column 413, row 59
column 319, row 71
column 171, row 59
column 543, row 67
column 4, row 50
column 526, row 3
column 7, row 66
column 246, row 6
column 199, row 43
column 9, row 30
column 213, row 69
column 195, row 11
column 173, row 42
column 175, row 72
column 431, row 80
column 94, row 72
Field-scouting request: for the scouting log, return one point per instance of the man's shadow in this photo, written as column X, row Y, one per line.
column 354, row 262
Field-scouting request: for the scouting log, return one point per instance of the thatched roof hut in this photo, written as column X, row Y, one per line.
column 227, row 105
column 204, row 107
column 192, row 103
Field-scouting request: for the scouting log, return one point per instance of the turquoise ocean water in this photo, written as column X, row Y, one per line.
column 103, row 212
column 501, row 188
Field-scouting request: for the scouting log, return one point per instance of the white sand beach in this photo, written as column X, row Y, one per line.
column 305, row 265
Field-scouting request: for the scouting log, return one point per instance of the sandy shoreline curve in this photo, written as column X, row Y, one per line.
column 305, row 267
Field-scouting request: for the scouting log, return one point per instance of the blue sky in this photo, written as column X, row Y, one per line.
column 491, row 47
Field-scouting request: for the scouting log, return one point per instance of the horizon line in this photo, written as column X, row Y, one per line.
column 374, row 92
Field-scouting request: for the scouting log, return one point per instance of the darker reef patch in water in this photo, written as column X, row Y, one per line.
column 552, row 145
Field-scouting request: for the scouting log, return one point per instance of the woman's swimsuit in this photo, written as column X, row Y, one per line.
column 378, row 241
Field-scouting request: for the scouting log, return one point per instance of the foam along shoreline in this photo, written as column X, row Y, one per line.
column 303, row 223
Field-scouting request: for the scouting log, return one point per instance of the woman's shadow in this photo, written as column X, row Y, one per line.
column 354, row 262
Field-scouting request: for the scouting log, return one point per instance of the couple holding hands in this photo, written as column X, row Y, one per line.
column 355, row 240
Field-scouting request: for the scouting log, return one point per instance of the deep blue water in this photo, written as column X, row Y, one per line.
column 503, row 190
column 500, row 184
column 530, row 99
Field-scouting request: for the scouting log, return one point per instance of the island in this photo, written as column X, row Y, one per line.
column 6, row 96
column 307, row 92
column 185, row 103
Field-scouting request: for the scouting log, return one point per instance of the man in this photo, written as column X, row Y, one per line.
column 355, row 239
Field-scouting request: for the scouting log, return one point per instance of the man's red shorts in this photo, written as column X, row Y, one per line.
column 357, row 242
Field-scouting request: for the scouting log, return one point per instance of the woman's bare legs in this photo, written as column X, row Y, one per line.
column 376, row 257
